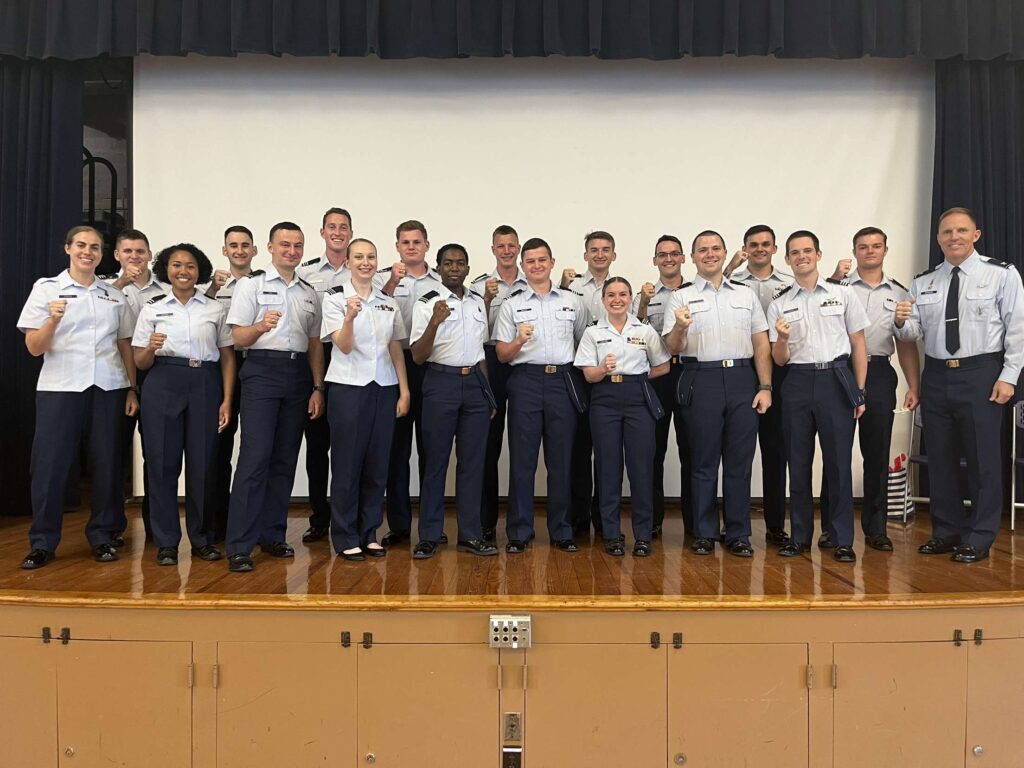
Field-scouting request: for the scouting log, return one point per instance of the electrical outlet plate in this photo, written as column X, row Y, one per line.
column 507, row 631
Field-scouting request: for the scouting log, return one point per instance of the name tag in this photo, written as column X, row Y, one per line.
column 565, row 313
column 166, row 314
column 384, row 307
column 793, row 314
column 525, row 314
column 889, row 304
column 699, row 306
column 401, row 291
column 603, row 341
column 636, row 341
column 929, row 297
column 67, row 296
column 829, row 308
column 270, row 298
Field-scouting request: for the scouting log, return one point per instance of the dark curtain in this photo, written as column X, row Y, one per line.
column 979, row 151
column 612, row 29
column 40, row 198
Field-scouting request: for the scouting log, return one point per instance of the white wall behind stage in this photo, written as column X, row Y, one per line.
column 556, row 147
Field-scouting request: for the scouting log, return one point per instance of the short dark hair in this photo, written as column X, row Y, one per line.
column 291, row 226
column 69, row 238
column 532, row 244
column 164, row 257
column 504, row 229
column 598, row 234
column 668, row 239
column 410, row 226
column 613, row 281
column 240, row 229
column 865, row 231
column 706, row 233
column 130, row 234
column 451, row 247
column 340, row 212
column 803, row 233
column 959, row 209
column 756, row 229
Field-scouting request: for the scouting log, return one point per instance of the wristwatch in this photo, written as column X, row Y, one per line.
column 764, row 387
column 320, row 388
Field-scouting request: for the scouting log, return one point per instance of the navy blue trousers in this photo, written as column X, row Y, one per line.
column 180, row 416
column 540, row 409
column 399, row 502
column 128, row 426
column 665, row 388
column 275, row 396
column 318, row 446
column 62, row 419
column 498, row 374
column 960, row 421
column 773, row 455
column 623, row 430
column 220, row 490
column 816, row 403
column 362, row 425
column 722, row 429
column 455, row 408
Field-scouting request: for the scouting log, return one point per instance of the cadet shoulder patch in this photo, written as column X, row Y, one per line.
column 383, row 271
column 305, row 283
column 428, row 296
column 740, row 282
column 311, row 262
column 591, row 323
column 112, row 276
column 484, row 276
column 928, row 271
column 835, row 282
column 780, row 292
column 336, row 289
column 684, row 285
column 157, row 298
column 897, row 283
column 256, row 273
column 996, row 262
column 516, row 292
column 573, row 290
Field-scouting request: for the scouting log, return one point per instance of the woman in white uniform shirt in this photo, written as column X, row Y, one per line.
column 369, row 390
column 86, row 386
column 182, row 339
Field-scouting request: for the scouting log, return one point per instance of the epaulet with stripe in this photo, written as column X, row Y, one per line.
column 157, row 298
column 383, row 271
column 304, row 282
column 336, row 289
column 740, row 282
column 928, row 271
column 897, row 283
column 428, row 296
column 835, row 282
column 256, row 273
column 573, row 290
column 684, row 285
column 516, row 292
column 311, row 262
column 484, row 276
column 996, row 262
column 780, row 292
column 592, row 322
column 113, row 276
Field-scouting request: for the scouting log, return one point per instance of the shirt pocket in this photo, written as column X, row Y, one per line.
column 565, row 319
column 930, row 306
column 739, row 315
column 979, row 304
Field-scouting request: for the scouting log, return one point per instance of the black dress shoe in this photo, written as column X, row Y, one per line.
column 656, row 533
column 703, row 546
column 374, row 551
column 937, row 546
column 37, row 558
column 793, row 549
column 425, row 550
column 490, row 535
column 278, row 549
column 104, row 553
column 476, row 547
column 882, row 543
column 207, row 552
column 641, row 548
column 515, row 547
column 355, row 557
column 825, row 541
column 740, row 548
column 239, row 563
column 844, row 554
column 167, row 556
column 776, row 536
column 965, row 553
column 443, row 541
column 117, row 541
column 315, row 533
column 615, row 547
column 391, row 538
column 566, row 545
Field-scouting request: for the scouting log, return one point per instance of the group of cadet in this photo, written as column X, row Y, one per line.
column 359, row 358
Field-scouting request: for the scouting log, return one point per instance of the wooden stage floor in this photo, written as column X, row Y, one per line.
column 672, row 576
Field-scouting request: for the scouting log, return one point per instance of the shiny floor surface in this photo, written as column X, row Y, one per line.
column 589, row 578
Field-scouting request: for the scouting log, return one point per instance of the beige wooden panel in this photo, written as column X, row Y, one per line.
column 285, row 704
column 428, row 706
column 28, row 703
column 732, row 705
column 595, row 705
column 995, row 703
column 900, row 704
column 124, row 704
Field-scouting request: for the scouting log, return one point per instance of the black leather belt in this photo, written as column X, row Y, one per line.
column 701, row 365
column 621, row 378
column 839, row 362
column 964, row 362
column 184, row 362
column 274, row 354
column 878, row 358
column 536, row 368
column 454, row 370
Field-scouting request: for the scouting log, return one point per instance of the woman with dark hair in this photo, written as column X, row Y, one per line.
column 86, row 386
column 618, row 355
column 183, row 337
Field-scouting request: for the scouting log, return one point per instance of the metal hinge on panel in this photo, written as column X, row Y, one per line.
column 346, row 639
column 367, row 639
column 835, row 675
column 810, row 676
column 191, row 671
column 216, row 675
column 977, row 637
column 677, row 640
column 958, row 637
column 65, row 635
column 46, row 635
column 655, row 639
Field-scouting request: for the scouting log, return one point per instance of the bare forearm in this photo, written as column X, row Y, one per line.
column 38, row 340
column 247, row 335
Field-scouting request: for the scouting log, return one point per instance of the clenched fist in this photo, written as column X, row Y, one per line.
column 683, row 317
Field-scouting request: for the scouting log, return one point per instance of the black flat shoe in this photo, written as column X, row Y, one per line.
column 425, row 550
column 825, row 542
column 375, row 551
column 793, row 549
column 882, row 543
column 641, row 548
column 703, row 547
column 476, row 547
column 515, row 547
column 776, row 536
column 37, row 558
column 937, row 546
column 207, row 552
column 443, row 541
column 278, row 549
column 615, row 548
column 740, row 548
column 566, row 545
column 167, row 556
column 104, row 553
column 490, row 535
column 965, row 553
column 844, row 555
column 315, row 533
column 240, row 563
column 355, row 557
column 391, row 538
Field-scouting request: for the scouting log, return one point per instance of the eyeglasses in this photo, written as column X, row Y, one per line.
column 673, row 254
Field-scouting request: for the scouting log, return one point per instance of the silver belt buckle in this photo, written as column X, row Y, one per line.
column 294, row 355
column 728, row 363
column 822, row 366
column 193, row 363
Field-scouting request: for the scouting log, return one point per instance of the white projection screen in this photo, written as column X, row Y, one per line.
column 556, row 147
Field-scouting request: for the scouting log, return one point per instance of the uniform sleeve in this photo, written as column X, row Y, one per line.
column 634, row 306
column 504, row 326
column 586, row 353
column 224, row 337
column 36, row 309
column 675, row 301
column 758, row 320
column 244, row 307
column 582, row 320
column 333, row 316
column 316, row 321
column 774, row 312
column 128, row 320
column 380, row 279
column 144, row 328
column 1011, row 309
column 656, row 351
column 399, row 327
column 485, row 332
column 856, row 317
column 421, row 312
column 911, row 330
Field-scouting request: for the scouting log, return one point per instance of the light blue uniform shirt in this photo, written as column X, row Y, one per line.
column 558, row 319
column 196, row 330
column 880, row 306
column 322, row 276
column 135, row 295
column 460, row 338
column 375, row 327
column 821, row 320
column 723, row 320
column 657, row 307
column 766, row 289
column 637, row 348
column 479, row 285
column 589, row 289
column 296, row 301
column 408, row 290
